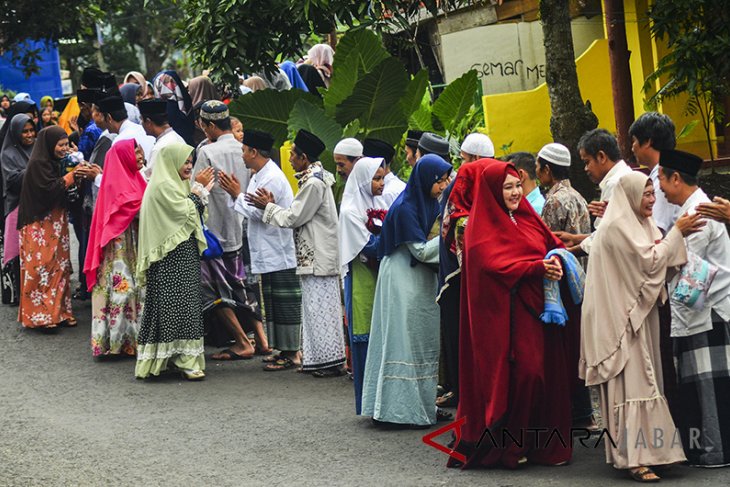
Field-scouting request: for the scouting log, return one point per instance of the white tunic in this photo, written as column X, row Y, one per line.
column 272, row 248
column 712, row 244
column 664, row 212
column 393, row 187
column 607, row 185
column 167, row 137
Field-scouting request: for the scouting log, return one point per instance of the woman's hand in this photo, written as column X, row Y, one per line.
column 553, row 268
column 205, row 177
column 688, row 224
column 718, row 210
column 73, row 122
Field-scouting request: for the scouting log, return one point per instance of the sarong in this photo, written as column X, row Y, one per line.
column 323, row 341
column 703, row 402
column 282, row 305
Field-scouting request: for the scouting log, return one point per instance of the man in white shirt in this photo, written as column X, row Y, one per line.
column 393, row 184
column 650, row 134
column 599, row 152
column 272, row 248
column 155, row 124
column 700, row 335
column 115, row 115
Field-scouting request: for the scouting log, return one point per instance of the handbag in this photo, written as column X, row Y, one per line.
column 693, row 282
column 214, row 249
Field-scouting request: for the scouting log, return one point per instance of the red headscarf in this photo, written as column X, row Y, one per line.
column 119, row 201
column 499, row 255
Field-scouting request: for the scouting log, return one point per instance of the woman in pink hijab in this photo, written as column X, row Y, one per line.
column 111, row 258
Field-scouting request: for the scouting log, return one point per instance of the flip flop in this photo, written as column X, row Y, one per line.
column 232, row 356
column 283, row 363
column 330, row 372
column 265, row 353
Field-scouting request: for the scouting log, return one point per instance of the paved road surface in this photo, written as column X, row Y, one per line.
column 68, row 420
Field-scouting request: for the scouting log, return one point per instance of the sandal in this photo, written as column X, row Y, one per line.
column 443, row 415
column 282, row 363
column 192, row 375
column 644, row 475
column 448, row 400
column 271, row 358
column 232, row 356
column 328, row 372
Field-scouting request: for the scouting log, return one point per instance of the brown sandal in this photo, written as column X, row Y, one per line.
column 644, row 475
column 282, row 363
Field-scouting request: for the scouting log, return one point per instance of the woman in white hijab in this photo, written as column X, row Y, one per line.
column 627, row 271
column 358, row 256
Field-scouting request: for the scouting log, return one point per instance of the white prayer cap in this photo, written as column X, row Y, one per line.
column 478, row 144
column 555, row 153
column 348, row 147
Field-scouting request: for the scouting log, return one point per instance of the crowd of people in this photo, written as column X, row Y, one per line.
column 485, row 288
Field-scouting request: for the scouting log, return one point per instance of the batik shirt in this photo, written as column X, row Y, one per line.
column 565, row 210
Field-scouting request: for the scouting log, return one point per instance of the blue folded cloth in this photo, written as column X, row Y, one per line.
column 572, row 271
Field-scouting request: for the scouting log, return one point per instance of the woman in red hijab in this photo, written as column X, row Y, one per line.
column 111, row 258
column 514, row 371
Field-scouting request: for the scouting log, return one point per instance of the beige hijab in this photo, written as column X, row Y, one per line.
column 627, row 270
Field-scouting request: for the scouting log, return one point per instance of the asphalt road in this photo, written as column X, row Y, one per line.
column 68, row 420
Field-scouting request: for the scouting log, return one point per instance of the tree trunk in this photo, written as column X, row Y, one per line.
column 618, row 55
column 570, row 118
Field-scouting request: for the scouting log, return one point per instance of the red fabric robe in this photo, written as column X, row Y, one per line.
column 515, row 373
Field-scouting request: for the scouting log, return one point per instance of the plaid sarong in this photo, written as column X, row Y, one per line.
column 703, row 371
column 282, row 309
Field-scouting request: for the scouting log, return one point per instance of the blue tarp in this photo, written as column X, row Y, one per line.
column 46, row 82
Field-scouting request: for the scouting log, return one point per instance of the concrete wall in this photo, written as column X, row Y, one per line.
column 508, row 57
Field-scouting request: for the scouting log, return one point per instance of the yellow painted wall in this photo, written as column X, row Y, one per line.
column 286, row 165
column 524, row 116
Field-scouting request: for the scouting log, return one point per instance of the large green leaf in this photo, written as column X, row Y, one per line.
column 366, row 47
column 422, row 119
column 389, row 126
column 310, row 117
column 358, row 53
column 456, row 100
column 268, row 110
column 415, row 93
column 375, row 95
column 342, row 83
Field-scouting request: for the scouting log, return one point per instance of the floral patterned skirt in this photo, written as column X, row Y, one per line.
column 45, row 272
column 116, row 300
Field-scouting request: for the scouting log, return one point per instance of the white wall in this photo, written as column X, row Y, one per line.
column 508, row 57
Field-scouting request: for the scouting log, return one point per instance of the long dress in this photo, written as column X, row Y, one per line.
column 620, row 349
column 401, row 370
column 116, row 300
column 172, row 323
column 45, row 272
column 45, row 265
column 360, row 284
column 514, row 370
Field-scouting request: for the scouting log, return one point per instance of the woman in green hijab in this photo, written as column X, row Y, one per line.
column 168, row 259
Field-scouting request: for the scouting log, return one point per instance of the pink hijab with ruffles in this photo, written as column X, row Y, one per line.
column 119, row 201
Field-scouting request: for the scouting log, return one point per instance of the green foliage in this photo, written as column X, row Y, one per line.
column 269, row 110
column 308, row 116
column 455, row 101
column 698, row 58
column 370, row 95
column 44, row 21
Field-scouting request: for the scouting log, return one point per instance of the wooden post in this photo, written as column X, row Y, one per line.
column 618, row 55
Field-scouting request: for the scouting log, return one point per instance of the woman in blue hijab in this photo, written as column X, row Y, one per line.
column 401, row 371
column 290, row 69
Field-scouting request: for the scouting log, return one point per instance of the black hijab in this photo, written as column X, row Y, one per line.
column 14, row 160
column 43, row 188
